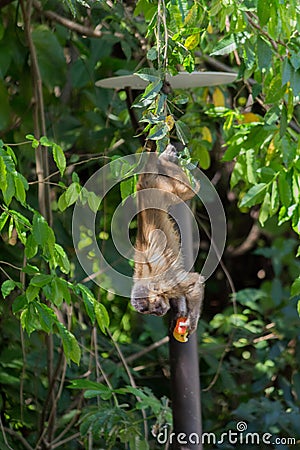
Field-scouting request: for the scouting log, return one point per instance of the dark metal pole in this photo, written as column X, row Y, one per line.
column 184, row 363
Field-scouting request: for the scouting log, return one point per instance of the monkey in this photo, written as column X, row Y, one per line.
column 160, row 279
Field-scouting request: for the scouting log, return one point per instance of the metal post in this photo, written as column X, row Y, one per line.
column 184, row 363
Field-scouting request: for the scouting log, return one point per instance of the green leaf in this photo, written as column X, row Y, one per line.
column 263, row 12
column 126, row 188
column 40, row 230
column 295, row 289
column 44, row 141
column 31, row 247
column 250, row 164
column 51, row 59
column 63, row 288
column 231, row 152
column 32, row 292
column 59, row 158
column 62, row 203
column 289, row 150
column 201, row 154
column 285, row 190
column 151, row 75
column 21, row 232
column 152, row 54
column 225, row 46
column 61, row 258
column 89, row 301
column 283, row 121
column 30, row 270
column 287, row 71
column 264, row 54
column 101, row 316
column 41, row 280
column 72, row 193
column 3, row 219
column 90, row 385
column 181, row 99
column 29, row 319
column 183, row 131
column 5, row 111
column 158, row 132
column 3, row 182
column 19, row 303
column 20, row 186
column 151, row 92
column 254, row 196
column 70, row 345
column 10, row 189
column 47, row 317
column 105, row 395
column 93, row 389
column 35, row 142
column 7, row 287
column 93, row 201
column 274, row 201
column 265, row 209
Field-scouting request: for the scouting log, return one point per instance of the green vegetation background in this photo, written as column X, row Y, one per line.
column 78, row 367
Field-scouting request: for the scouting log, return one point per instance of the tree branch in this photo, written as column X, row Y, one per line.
column 42, row 167
column 248, row 243
column 19, row 437
column 73, row 26
column 273, row 42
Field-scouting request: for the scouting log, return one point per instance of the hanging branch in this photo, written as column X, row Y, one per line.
column 42, row 166
column 44, row 201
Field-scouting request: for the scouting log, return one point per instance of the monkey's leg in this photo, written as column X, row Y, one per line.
column 179, row 306
column 194, row 301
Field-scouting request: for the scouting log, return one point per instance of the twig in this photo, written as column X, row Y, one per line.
column 4, row 435
column 233, row 290
column 273, row 42
column 73, row 26
column 71, row 423
column 146, row 350
column 265, row 338
column 50, row 394
column 131, row 379
column 137, row 355
column 42, row 167
column 99, row 366
column 18, row 436
column 216, row 376
column 224, row 268
column 68, row 439
column 10, row 265
column 248, row 243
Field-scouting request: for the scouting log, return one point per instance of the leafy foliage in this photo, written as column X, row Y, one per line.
column 246, row 136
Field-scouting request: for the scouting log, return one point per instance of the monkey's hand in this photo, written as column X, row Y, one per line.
column 181, row 329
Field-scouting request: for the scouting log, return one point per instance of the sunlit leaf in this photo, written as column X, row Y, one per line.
column 59, row 158
column 254, row 195
column 225, row 46
column 7, row 287
column 70, row 344
column 101, row 316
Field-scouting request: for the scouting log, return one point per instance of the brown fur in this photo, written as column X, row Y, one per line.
column 160, row 280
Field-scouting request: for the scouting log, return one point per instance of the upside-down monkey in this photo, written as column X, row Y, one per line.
column 160, row 279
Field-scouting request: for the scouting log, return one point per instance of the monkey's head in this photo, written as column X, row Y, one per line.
column 146, row 301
